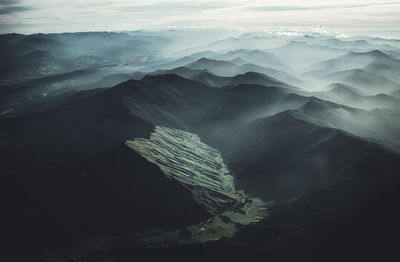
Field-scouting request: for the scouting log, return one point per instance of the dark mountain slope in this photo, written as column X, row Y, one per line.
column 252, row 78
column 372, row 125
column 282, row 156
column 206, row 77
column 55, row 206
column 224, row 68
column 91, row 121
column 88, row 181
column 176, row 63
column 14, row 97
column 32, row 56
column 237, row 106
column 87, row 119
column 81, row 125
column 350, row 219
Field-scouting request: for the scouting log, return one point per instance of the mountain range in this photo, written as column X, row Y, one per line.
column 133, row 145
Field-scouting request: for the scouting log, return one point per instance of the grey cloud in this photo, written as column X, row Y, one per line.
column 8, row 9
column 12, row 6
column 9, row 2
column 316, row 7
column 173, row 7
column 287, row 8
column 84, row 5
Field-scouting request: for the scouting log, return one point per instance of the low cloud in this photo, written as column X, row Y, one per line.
column 115, row 15
column 9, row 2
column 12, row 6
column 13, row 9
column 279, row 8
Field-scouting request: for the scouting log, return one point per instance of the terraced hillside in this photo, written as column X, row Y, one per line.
column 200, row 168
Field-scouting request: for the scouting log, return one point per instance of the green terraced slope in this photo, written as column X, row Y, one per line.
column 195, row 165
column 200, row 168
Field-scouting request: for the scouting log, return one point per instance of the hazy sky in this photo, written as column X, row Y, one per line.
column 32, row 16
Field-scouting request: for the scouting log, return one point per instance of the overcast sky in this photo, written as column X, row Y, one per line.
column 32, row 16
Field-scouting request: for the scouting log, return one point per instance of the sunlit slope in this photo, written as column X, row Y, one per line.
column 184, row 158
column 200, row 168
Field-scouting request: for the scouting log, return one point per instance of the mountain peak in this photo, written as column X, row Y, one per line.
column 377, row 53
column 165, row 77
column 341, row 88
column 237, row 60
column 312, row 105
column 204, row 60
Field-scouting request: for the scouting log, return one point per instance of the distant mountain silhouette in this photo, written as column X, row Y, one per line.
column 373, row 61
column 348, row 95
column 224, row 68
column 257, row 57
column 365, row 81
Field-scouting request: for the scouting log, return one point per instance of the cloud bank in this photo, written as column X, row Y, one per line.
column 31, row 16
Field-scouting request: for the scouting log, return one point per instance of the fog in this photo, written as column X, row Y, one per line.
column 35, row 16
column 358, row 72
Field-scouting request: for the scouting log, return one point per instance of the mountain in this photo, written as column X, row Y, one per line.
column 91, row 180
column 237, row 60
column 257, row 57
column 259, row 152
column 353, row 44
column 301, row 55
column 131, row 108
column 22, row 96
column 58, row 205
column 204, row 76
column 374, row 61
column 367, row 124
column 357, row 44
column 350, row 96
column 31, row 56
column 201, row 145
column 206, row 54
column 114, row 79
column 176, row 63
column 343, row 219
column 349, row 61
column 368, row 82
column 183, row 72
column 77, row 148
column 244, row 41
column 221, row 68
column 258, row 79
column 224, row 68
column 385, row 65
